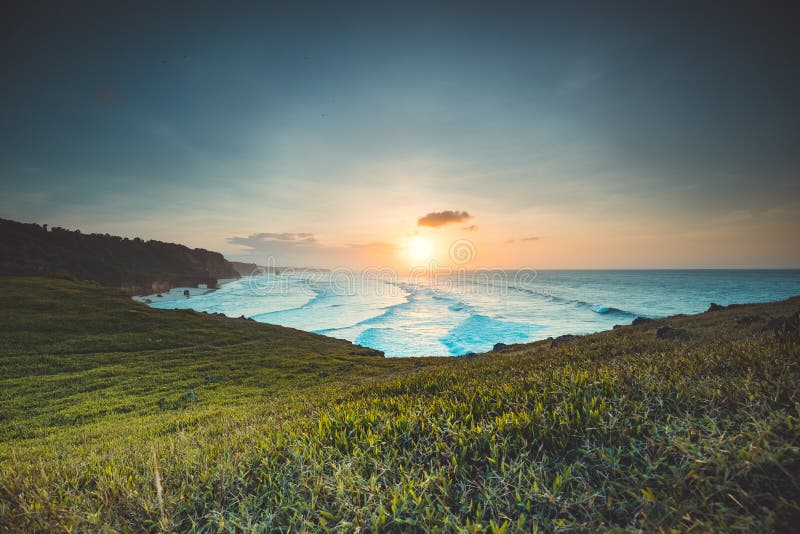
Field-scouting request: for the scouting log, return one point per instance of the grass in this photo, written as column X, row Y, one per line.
column 118, row 417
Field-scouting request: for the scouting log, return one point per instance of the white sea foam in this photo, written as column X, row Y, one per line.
column 460, row 314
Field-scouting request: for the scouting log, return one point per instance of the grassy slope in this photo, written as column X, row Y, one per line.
column 296, row 431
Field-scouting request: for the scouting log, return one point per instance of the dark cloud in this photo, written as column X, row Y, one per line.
column 441, row 218
column 470, row 228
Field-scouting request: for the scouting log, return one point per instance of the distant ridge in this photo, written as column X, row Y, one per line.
column 133, row 265
column 245, row 269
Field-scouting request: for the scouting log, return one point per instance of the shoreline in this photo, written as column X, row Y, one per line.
column 177, row 293
column 703, row 390
column 477, row 333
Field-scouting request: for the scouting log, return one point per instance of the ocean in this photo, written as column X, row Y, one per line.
column 452, row 314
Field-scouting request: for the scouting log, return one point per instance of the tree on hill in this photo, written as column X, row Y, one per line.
column 133, row 265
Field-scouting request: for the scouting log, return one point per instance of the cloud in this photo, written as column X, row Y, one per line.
column 584, row 73
column 376, row 245
column 302, row 249
column 258, row 241
column 531, row 238
column 470, row 228
column 441, row 218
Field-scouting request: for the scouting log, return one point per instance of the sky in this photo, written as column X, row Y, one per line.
column 537, row 135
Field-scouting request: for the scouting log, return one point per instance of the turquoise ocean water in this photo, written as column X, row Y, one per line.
column 451, row 315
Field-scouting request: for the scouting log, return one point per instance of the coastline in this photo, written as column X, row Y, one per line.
column 178, row 293
column 700, row 387
column 451, row 323
column 454, row 320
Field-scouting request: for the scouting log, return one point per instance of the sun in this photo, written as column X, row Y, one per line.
column 420, row 248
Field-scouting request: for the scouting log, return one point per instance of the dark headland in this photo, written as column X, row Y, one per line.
column 135, row 266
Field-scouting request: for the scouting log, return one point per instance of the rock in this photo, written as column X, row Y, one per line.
column 641, row 320
column 366, row 351
column 784, row 326
column 667, row 332
column 148, row 301
column 186, row 293
column 561, row 340
column 750, row 319
column 715, row 307
column 210, row 378
column 499, row 347
column 160, row 295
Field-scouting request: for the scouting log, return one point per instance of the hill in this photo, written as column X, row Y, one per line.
column 120, row 417
column 243, row 268
column 133, row 265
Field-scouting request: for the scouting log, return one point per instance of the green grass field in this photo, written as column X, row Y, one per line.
column 118, row 417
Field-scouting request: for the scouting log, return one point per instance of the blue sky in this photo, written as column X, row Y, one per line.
column 619, row 136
